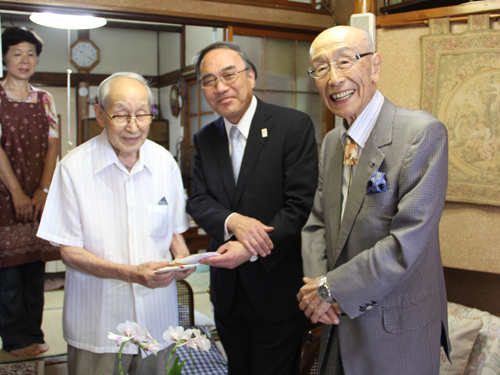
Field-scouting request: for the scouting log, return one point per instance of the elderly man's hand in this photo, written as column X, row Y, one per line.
column 252, row 234
column 144, row 274
column 232, row 255
column 314, row 308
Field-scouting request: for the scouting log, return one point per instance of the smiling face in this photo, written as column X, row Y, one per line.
column 345, row 93
column 127, row 96
column 21, row 60
column 230, row 101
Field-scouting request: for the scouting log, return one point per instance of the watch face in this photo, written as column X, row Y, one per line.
column 323, row 292
column 84, row 54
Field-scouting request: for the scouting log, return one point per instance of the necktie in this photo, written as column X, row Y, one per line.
column 350, row 151
column 236, row 151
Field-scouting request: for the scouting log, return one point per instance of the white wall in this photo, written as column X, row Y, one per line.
column 198, row 37
column 170, row 47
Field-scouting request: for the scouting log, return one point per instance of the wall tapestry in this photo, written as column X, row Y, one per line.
column 461, row 87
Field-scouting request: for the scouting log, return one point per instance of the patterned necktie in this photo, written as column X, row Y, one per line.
column 350, row 151
column 236, row 151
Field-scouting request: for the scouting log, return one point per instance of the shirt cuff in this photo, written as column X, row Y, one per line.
column 253, row 258
column 227, row 234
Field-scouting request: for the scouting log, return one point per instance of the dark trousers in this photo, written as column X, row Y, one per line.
column 21, row 305
column 257, row 347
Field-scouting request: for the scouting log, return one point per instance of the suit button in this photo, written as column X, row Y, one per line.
column 369, row 307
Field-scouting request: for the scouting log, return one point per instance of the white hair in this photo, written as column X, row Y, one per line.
column 103, row 90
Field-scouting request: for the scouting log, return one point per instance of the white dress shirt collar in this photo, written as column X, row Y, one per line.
column 361, row 128
column 105, row 156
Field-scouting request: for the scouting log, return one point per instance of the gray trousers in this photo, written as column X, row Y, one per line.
column 83, row 362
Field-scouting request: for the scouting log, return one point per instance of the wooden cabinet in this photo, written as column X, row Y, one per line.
column 158, row 131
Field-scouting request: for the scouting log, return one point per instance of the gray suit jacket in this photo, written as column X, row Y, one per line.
column 382, row 260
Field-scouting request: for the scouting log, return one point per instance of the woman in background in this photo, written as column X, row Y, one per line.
column 28, row 155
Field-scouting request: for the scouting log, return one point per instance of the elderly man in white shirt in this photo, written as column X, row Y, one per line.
column 116, row 207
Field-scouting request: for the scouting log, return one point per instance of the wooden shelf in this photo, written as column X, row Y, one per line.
column 422, row 16
column 411, row 5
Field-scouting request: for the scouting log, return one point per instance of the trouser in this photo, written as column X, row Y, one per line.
column 257, row 347
column 83, row 362
column 21, row 305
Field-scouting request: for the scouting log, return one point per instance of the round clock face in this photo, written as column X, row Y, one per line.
column 83, row 91
column 84, row 54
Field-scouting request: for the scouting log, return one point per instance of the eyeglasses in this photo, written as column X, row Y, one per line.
column 120, row 121
column 342, row 64
column 226, row 78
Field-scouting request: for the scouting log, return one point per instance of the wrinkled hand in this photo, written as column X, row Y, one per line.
column 181, row 275
column 23, row 206
column 232, row 255
column 38, row 203
column 144, row 274
column 314, row 308
column 252, row 234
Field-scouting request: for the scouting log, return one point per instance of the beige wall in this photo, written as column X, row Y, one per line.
column 470, row 234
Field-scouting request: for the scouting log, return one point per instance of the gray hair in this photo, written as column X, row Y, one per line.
column 197, row 59
column 368, row 41
column 104, row 87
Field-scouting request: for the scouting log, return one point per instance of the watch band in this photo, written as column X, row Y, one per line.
column 45, row 190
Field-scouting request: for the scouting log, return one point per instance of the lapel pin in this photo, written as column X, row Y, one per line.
column 264, row 132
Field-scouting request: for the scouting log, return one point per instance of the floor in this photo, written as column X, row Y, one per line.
column 52, row 322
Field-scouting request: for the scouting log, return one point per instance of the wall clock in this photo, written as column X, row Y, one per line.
column 84, row 54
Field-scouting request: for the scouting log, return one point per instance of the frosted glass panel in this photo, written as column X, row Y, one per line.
column 204, row 107
column 259, row 94
column 193, row 99
column 280, row 56
column 193, row 126
column 206, row 119
column 304, row 81
column 280, row 98
column 311, row 104
column 253, row 47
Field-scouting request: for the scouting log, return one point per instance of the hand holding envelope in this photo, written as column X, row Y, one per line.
column 185, row 263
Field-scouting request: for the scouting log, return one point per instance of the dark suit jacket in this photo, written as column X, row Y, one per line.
column 276, row 185
column 382, row 261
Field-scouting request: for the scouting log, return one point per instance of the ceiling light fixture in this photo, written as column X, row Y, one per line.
column 67, row 21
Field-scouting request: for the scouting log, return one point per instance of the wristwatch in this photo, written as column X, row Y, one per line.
column 45, row 190
column 324, row 293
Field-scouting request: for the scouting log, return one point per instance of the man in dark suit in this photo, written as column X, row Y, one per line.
column 255, row 174
column 371, row 244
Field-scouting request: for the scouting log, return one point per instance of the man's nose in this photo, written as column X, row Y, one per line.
column 335, row 77
column 220, row 85
column 132, row 125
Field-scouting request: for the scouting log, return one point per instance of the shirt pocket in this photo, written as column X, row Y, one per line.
column 159, row 221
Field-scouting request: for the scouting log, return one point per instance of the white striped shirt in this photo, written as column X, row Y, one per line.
column 96, row 204
column 359, row 131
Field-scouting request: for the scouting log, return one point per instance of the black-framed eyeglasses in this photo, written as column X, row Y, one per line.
column 228, row 77
column 120, row 121
column 342, row 64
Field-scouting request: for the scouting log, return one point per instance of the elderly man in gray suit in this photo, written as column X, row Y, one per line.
column 371, row 244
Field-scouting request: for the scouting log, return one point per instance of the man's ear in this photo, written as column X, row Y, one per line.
column 251, row 77
column 99, row 115
column 376, row 65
